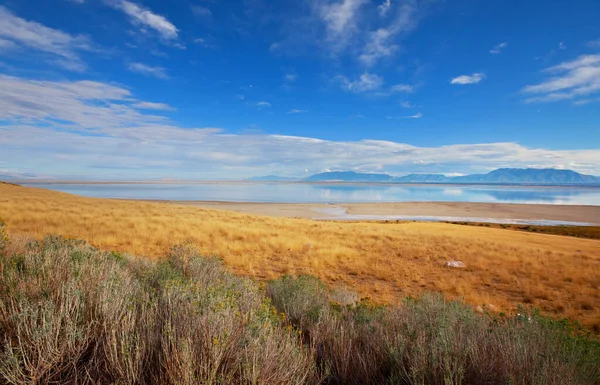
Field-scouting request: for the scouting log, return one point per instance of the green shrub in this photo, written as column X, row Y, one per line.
column 72, row 314
column 3, row 235
column 302, row 298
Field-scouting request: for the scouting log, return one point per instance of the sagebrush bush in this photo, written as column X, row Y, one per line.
column 70, row 313
column 73, row 314
column 432, row 341
column 3, row 235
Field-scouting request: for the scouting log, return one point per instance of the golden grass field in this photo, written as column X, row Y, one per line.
column 558, row 274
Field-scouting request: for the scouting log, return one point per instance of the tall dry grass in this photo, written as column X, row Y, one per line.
column 386, row 262
column 73, row 314
column 70, row 313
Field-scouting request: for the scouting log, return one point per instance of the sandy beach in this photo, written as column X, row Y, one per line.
column 449, row 210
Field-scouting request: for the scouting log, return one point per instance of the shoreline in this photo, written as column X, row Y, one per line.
column 326, row 183
column 577, row 215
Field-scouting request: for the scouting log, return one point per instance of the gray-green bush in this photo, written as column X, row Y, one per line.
column 72, row 314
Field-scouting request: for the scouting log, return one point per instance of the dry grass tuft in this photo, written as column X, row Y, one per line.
column 386, row 262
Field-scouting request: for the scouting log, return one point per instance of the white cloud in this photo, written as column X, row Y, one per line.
column 146, row 18
column 153, row 106
column 562, row 45
column 85, row 127
column 381, row 42
column 295, row 111
column 144, row 69
column 468, row 79
column 571, row 80
column 290, row 78
column 365, row 83
column 384, row 7
column 340, row 20
column 406, row 104
column 418, row 115
column 498, row 48
column 60, row 47
column 263, row 104
column 378, row 46
column 402, row 88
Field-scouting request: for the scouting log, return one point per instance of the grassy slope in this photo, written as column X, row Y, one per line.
column 560, row 275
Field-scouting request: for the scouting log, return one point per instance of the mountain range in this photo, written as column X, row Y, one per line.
column 533, row 176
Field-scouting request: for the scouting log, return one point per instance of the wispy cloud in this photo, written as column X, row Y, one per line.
column 498, row 48
column 562, row 45
column 384, row 7
column 153, row 106
column 407, row 104
column 290, row 78
column 144, row 69
column 418, row 115
column 263, row 104
column 296, row 111
column 201, row 11
column 81, row 128
column 340, row 20
column 593, row 44
column 569, row 80
column 365, row 83
column 402, row 88
column 61, row 48
column 143, row 17
column 381, row 42
column 468, row 79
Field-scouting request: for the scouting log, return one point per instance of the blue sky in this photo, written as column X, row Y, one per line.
column 209, row 89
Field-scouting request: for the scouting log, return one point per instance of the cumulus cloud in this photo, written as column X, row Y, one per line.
column 365, row 83
column 144, row 69
column 143, row 17
column 498, row 48
column 569, row 80
column 60, row 47
column 468, row 79
column 97, row 130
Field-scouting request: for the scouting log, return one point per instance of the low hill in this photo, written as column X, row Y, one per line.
column 546, row 176
column 272, row 178
column 534, row 176
column 348, row 176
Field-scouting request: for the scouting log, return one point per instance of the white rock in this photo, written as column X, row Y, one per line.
column 458, row 264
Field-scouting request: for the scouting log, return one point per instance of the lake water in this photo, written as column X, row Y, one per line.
column 334, row 193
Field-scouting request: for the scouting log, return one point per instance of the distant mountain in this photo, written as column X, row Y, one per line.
column 547, row 176
column 348, row 176
column 272, row 178
column 423, row 178
column 534, row 176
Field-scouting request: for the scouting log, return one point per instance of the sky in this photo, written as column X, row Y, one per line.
column 214, row 89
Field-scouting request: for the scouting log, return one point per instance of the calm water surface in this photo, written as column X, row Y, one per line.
column 334, row 193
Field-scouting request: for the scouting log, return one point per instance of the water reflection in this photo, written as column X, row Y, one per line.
column 334, row 193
